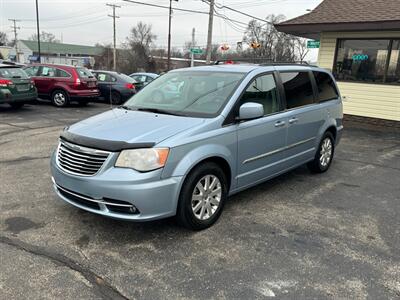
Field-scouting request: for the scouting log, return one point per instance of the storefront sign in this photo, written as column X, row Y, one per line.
column 360, row 57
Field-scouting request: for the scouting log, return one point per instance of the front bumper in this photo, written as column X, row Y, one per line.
column 113, row 190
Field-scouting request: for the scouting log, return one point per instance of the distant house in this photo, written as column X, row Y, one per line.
column 360, row 43
column 55, row 53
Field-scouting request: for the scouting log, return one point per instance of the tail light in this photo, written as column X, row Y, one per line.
column 77, row 81
column 129, row 86
column 32, row 84
column 5, row 82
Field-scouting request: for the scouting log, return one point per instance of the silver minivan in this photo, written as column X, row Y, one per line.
column 195, row 136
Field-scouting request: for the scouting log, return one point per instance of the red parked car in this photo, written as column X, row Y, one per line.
column 62, row 83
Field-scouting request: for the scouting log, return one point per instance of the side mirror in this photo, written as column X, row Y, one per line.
column 250, row 111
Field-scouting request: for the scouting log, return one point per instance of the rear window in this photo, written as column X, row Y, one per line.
column 326, row 87
column 84, row 73
column 127, row 78
column 12, row 73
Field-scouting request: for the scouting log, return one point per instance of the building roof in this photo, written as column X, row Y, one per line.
column 345, row 15
column 59, row 48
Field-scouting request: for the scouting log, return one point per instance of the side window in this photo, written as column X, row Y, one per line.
column 48, row 72
column 62, row 73
column 112, row 78
column 263, row 90
column 326, row 87
column 149, row 79
column 101, row 77
column 32, row 71
column 298, row 89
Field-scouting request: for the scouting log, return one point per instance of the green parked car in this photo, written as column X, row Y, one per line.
column 16, row 88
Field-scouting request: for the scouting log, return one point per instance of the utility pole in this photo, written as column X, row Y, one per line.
column 115, row 39
column 15, row 28
column 193, row 44
column 169, row 35
column 38, row 31
column 210, row 31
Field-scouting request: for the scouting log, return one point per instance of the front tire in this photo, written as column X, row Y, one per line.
column 324, row 156
column 60, row 98
column 202, row 197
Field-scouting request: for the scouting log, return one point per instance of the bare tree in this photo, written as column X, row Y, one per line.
column 138, row 46
column 274, row 45
column 3, row 39
column 45, row 37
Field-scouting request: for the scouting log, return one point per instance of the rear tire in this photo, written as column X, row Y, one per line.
column 202, row 197
column 60, row 98
column 17, row 105
column 116, row 98
column 324, row 156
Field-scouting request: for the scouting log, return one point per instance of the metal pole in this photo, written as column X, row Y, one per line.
column 38, row 31
column 15, row 27
column 115, row 34
column 193, row 42
column 169, row 36
column 210, row 30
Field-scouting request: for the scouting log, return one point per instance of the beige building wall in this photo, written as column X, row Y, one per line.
column 369, row 100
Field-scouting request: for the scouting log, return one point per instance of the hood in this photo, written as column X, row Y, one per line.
column 133, row 126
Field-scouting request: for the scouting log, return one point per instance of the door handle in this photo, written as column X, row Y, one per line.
column 293, row 120
column 280, row 124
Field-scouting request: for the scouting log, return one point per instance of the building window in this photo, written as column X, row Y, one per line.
column 370, row 61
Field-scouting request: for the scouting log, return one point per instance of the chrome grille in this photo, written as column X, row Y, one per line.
column 80, row 160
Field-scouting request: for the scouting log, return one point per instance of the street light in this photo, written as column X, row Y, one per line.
column 169, row 34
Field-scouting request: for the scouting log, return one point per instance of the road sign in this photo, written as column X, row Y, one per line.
column 313, row 44
column 196, row 51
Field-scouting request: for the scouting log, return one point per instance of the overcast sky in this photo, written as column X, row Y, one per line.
column 86, row 22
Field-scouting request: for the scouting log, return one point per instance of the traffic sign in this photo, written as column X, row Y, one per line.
column 313, row 44
column 196, row 51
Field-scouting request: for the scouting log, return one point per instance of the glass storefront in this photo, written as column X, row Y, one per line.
column 370, row 61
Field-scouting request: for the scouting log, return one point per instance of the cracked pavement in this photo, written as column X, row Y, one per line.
column 335, row 235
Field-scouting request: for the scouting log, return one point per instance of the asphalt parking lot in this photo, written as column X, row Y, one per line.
column 302, row 236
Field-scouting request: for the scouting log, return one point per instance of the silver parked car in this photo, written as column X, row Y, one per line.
column 227, row 128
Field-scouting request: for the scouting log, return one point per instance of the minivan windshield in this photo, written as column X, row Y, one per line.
column 188, row 93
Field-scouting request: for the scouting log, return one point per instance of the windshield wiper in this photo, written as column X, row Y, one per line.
column 159, row 111
column 125, row 107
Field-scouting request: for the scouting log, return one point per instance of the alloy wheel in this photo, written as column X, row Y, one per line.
column 326, row 152
column 206, row 197
column 59, row 99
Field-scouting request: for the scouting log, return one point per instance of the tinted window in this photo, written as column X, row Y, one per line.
column 263, row 90
column 48, row 72
column 103, row 77
column 62, row 73
column 32, row 71
column 84, row 73
column 298, row 89
column 326, row 87
column 368, row 61
column 12, row 73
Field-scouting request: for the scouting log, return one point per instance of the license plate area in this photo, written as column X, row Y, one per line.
column 22, row 87
column 91, row 84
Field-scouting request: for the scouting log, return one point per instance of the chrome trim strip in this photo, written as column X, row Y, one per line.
column 277, row 151
column 85, row 149
column 274, row 164
column 90, row 199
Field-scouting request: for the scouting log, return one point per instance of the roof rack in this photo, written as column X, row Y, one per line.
column 260, row 61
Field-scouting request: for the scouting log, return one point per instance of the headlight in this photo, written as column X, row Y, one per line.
column 143, row 159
